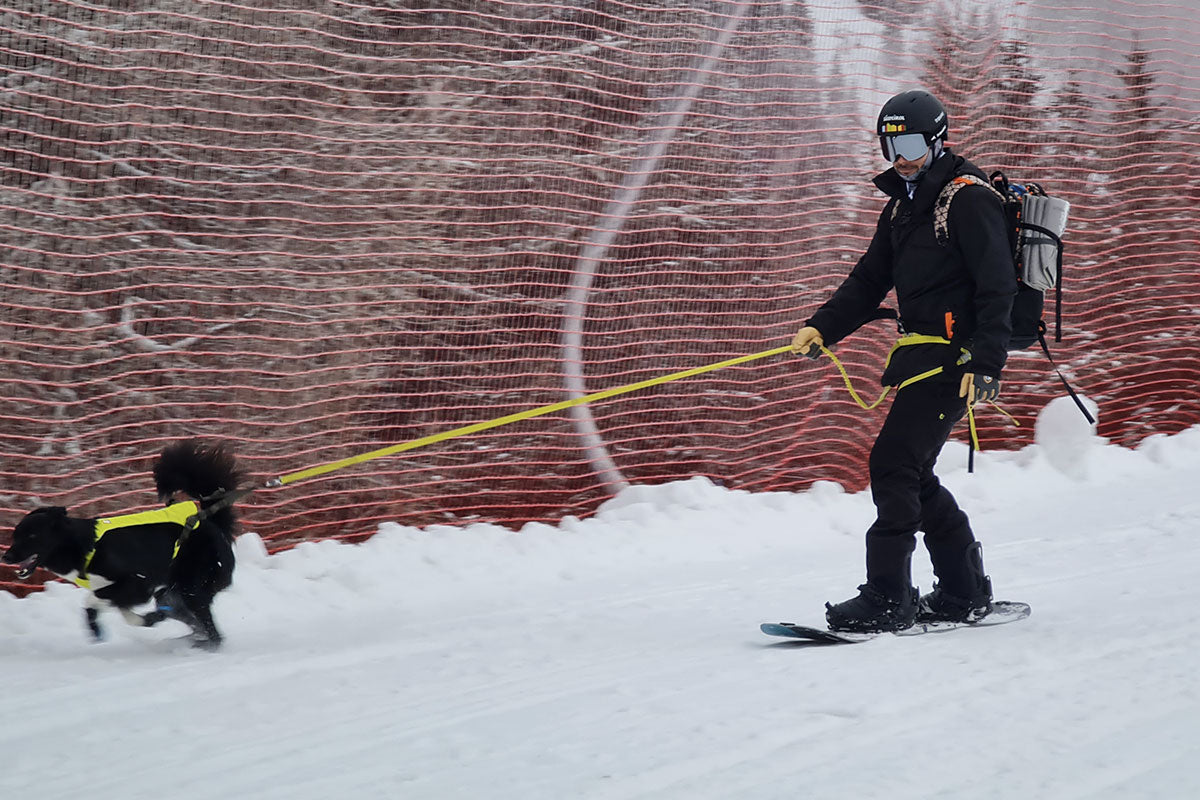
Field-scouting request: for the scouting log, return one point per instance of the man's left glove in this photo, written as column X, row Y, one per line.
column 977, row 388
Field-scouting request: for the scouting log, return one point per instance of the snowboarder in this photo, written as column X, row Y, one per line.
column 954, row 304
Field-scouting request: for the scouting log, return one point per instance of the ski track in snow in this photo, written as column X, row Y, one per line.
column 619, row 657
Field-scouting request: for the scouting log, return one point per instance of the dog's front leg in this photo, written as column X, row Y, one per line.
column 91, row 614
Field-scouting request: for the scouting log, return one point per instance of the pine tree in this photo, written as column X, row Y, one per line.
column 1012, row 120
column 1149, row 251
column 955, row 73
column 1138, row 148
column 897, row 13
column 1066, row 161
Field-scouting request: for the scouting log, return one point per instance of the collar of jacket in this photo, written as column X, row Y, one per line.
column 941, row 173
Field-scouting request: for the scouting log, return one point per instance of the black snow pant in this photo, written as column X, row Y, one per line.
column 908, row 496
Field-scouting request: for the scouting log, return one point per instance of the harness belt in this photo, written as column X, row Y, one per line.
column 182, row 514
column 908, row 340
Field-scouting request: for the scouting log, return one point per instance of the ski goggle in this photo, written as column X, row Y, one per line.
column 909, row 146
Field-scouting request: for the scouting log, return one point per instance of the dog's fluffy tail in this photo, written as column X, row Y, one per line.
column 202, row 472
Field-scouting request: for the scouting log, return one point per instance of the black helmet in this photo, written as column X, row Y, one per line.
column 915, row 111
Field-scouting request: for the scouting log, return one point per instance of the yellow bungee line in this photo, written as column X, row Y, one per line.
column 477, row 427
column 912, row 339
column 904, row 341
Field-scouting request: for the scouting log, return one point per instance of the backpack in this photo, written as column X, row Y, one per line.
column 1036, row 223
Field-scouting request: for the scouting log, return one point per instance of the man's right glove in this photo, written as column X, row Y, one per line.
column 979, row 388
column 808, row 341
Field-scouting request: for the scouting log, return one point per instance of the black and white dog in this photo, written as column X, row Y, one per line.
column 180, row 556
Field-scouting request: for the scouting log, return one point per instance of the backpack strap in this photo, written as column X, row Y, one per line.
column 941, row 206
column 1062, row 379
column 1056, row 240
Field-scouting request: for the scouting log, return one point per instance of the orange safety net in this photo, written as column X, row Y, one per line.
column 321, row 227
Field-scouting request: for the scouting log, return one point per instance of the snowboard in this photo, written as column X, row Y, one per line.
column 1003, row 611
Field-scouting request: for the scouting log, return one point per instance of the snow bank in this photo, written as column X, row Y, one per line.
column 679, row 523
column 619, row 657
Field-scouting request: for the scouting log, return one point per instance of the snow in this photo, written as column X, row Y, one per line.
column 619, row 656
column 1065, row 437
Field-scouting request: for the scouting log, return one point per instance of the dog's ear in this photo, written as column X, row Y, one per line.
column 50, row 511
column 45, row 518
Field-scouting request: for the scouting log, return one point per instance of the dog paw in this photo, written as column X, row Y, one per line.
column 205, row 644
column 153, row 618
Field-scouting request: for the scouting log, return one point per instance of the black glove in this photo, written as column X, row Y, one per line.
column 979, row 388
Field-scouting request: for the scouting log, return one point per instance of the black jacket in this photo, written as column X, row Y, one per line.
column 971, row 278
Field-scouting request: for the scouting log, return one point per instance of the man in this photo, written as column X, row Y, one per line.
column 954, row 304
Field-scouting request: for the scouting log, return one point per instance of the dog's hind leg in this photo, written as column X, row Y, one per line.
column 192, row 611
column 143, row 620
column 164, row 607
column 153, row 618
column 171, row 605
column 207, row 636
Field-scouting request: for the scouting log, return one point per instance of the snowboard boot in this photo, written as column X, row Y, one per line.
column 968, row 600
column 873, row 611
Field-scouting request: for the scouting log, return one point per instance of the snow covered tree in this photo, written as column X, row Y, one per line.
column 955, row 71
column 1012, row 119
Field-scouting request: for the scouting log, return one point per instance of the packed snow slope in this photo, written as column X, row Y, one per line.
column 619, row 657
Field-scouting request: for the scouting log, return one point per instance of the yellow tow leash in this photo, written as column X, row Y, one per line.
column 904, row 341
column 477, row 427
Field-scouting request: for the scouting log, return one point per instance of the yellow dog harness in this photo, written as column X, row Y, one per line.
column 181, row 514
